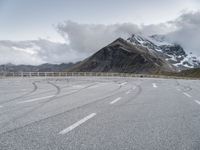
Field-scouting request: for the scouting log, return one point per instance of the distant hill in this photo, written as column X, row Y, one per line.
column 39, row 68
column 122, row 56
column 194, row 73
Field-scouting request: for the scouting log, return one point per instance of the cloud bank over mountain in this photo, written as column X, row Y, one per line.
column 91, row 37
column 187, row 31
column 84, row 39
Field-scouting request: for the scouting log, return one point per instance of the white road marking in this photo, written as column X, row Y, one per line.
column 186, row 94
column 128, row 92
column 78, row 86
column 123, row 83
column 134, row 88
column 178, row 90
column 36, row 99
column 95, row 86
column 70, row 128
column 24, row 89
column 198, row 102
column 154, row 85
column 116, row 100
column 1, row 106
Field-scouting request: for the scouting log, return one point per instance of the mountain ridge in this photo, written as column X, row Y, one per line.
column 173, row 52
column 125, row 55
column 122, row 56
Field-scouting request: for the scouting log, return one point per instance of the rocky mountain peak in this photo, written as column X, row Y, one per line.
column 173, row 53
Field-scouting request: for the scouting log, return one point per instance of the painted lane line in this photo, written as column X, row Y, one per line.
column 123, row 83
column 128, row 92
column 186, row 94
column 78, row 86
column 178, row 89
column 1, row 106
column 198, row 102
column 35, row 99
column 23, row 89
column 134, row 88
column 70, row 128
column 154, row 85
column 116, row 100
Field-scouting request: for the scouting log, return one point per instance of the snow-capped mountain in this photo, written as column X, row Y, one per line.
column 122, row 56
column 172, row 52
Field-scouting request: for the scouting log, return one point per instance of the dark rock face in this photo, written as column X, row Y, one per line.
column 141, row 41
column 173, row 50
column 173, row 53
column 168, row 51
column 121, row 56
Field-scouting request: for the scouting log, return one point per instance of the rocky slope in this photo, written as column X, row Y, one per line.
column 122, row 56
column 172, row 52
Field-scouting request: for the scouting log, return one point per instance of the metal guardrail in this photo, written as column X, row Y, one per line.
column 55, row 74
column 64, row 74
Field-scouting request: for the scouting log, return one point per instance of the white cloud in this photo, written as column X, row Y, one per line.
column 81, row 40
column 36, row 52
column 30, row 50
column 87, row 38
column 11, row 55
column 187, row 32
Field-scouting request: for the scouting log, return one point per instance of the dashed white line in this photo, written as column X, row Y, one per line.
column 154, row 85
column 198, row 102
column 123, row 83
column 186, row 94
column 128, row 92
column 70, row 128
column 134, row 88
column 35, row 99
column 92, row 87
column 178, row 89
column 1, row 106
column 23, row 89
column 116, row 100
column 78, row 86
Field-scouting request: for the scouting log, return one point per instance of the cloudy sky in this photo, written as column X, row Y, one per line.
column 55, row 31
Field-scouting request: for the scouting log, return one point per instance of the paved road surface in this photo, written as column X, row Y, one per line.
column 99, row 113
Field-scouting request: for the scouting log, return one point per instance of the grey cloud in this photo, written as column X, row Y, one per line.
column 187, row 32
column 84, row 39
column 52, row 52
column 81, row 41
column 87, row 38
column 162, row 28
column 36, row 52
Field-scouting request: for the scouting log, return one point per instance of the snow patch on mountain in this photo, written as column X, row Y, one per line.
column 158, row 40
column 172, row 52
